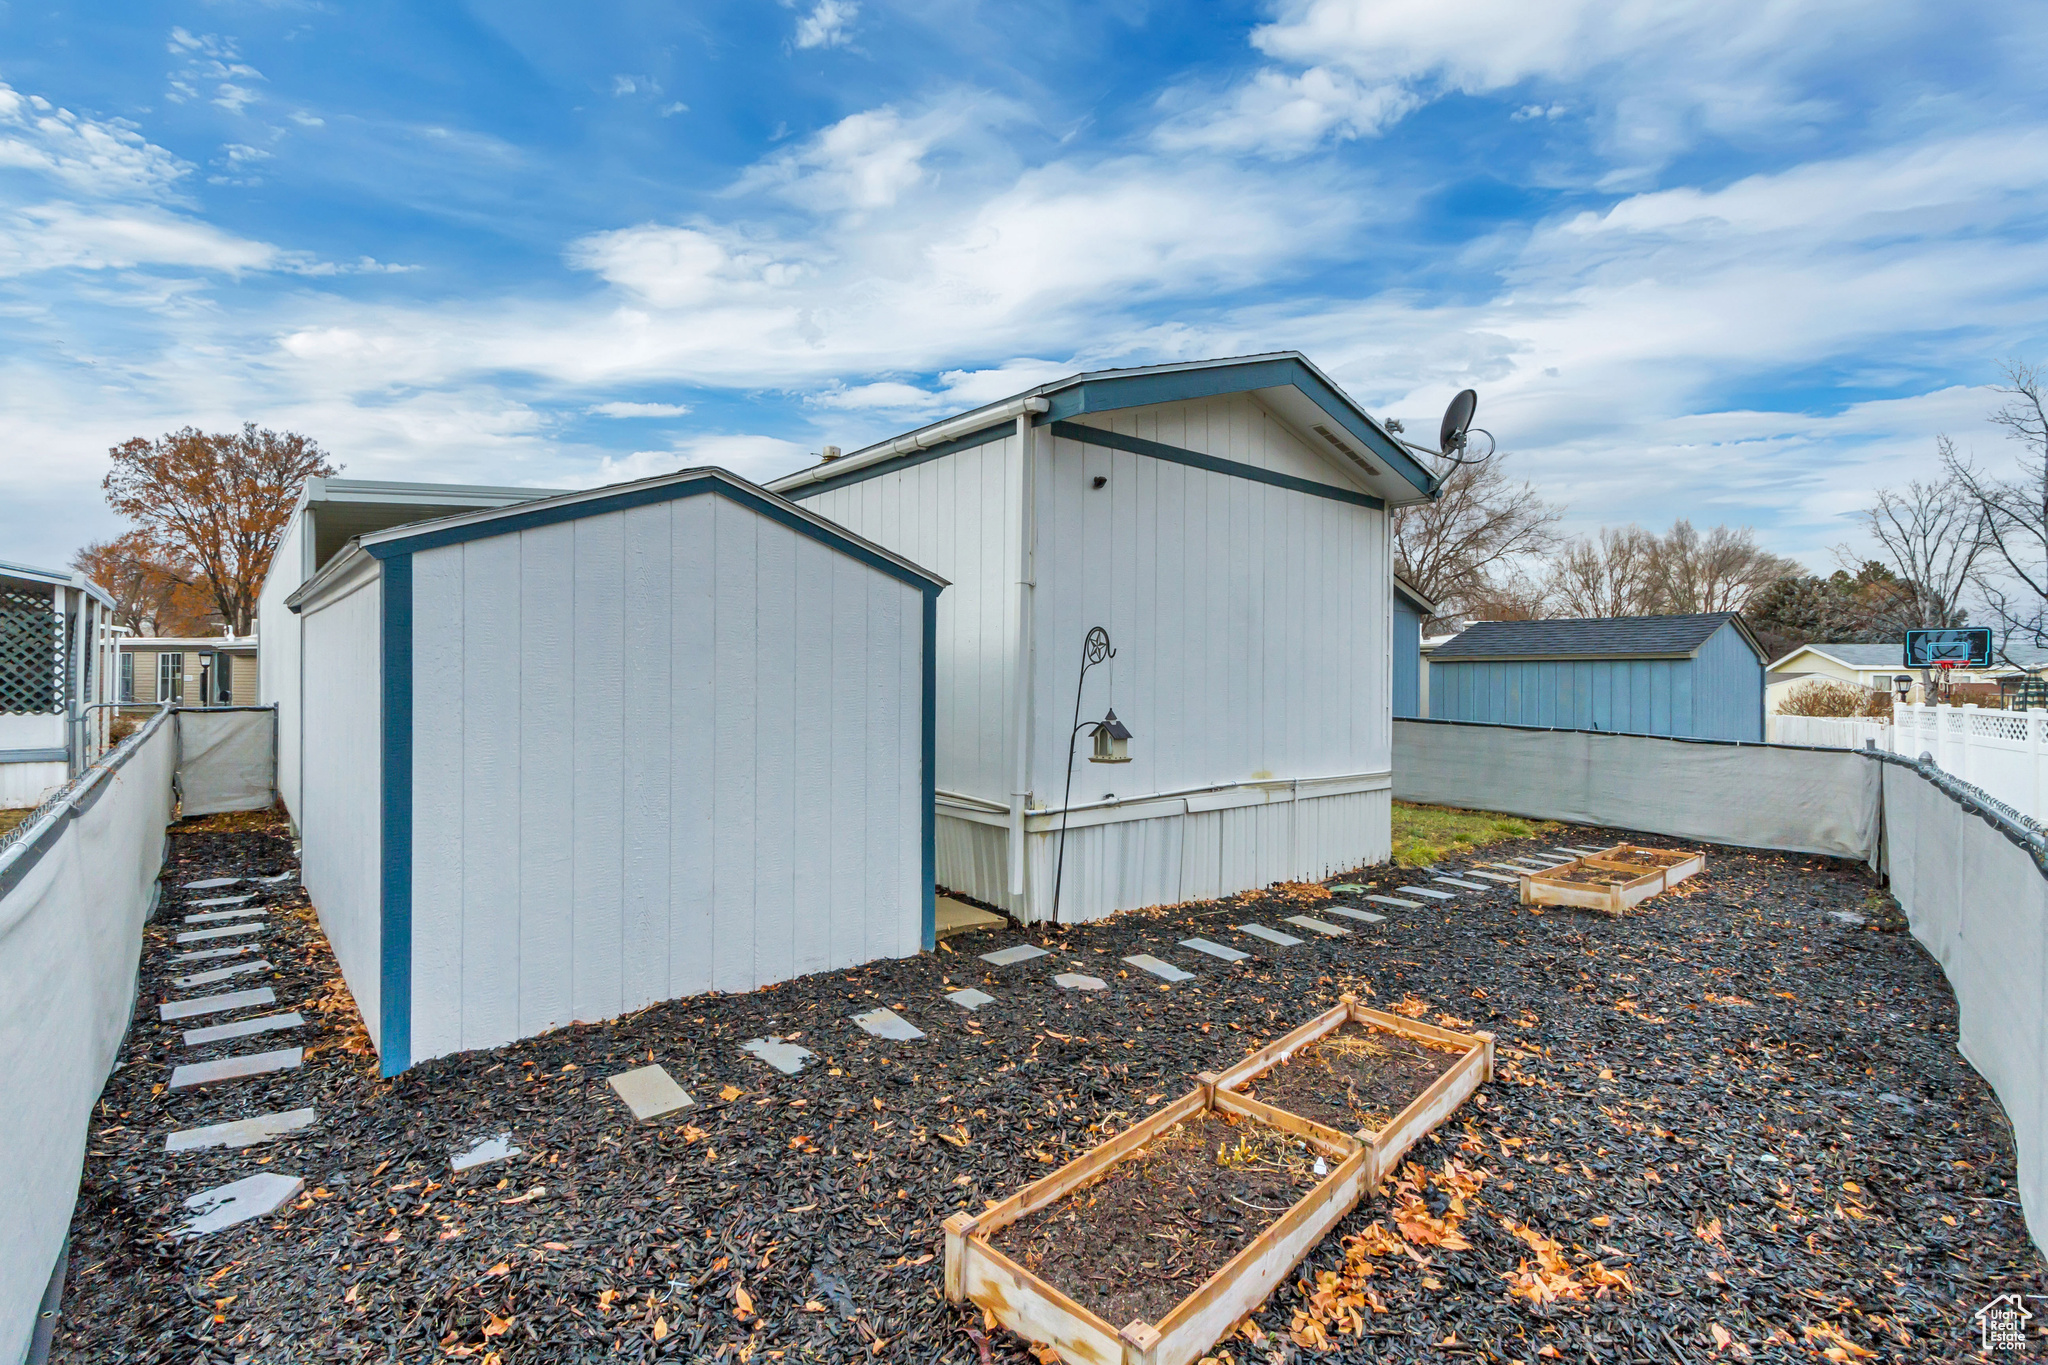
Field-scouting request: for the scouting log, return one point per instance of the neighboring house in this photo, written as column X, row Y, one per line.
column 1411, row 692
column 1695, row 677
column 571, row 757
column 198, row 670
column 1878, row 666
column 330, row 512
column 1226, row 522
column 56, row 665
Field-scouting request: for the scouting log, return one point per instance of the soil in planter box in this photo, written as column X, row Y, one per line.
column 1595, row 876
column 1654, row 857
column 1159, row 1223
column 1356, row 1077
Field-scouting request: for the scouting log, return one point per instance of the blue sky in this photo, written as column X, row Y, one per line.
column 1737, row 261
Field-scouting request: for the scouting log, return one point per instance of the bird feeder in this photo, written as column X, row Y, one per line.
column 1112, row 740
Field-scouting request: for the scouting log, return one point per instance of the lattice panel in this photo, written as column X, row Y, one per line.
column 31, row 652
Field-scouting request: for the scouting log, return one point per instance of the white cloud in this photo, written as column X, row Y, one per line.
column 210, row 60
column 670, row 110
column 54, row 236
column 829, row 24
column 870, row 159
column 1285, row 114
column 751, row 457
column 96, row 157
column 676, row 267
column 640, row 409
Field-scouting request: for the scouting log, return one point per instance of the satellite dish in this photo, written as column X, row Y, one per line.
column 1457, row 421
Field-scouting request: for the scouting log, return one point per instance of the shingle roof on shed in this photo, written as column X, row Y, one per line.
column 1618, row 637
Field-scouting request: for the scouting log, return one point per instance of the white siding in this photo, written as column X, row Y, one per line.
column 656, row 752
column 341, row 802
column 957, row 516
column 278, row 631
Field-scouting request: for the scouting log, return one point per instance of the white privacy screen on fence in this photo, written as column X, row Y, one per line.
column 1975, row 898
column 73, row 895
column 227, row 759
column 1756, row 795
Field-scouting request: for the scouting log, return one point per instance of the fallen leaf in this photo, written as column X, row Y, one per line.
column 1549, row 1352
column 730, row 1093
column 497, row 1326
column 743, row 1303
column 501, row 1268
column 660, row 1328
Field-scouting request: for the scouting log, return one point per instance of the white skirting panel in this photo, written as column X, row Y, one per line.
column 26, row 784
column 1166, row 859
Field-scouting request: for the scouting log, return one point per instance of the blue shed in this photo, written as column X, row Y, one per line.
column 1692, row 677
column 1411, row 609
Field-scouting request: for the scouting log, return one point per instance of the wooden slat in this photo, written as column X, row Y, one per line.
column 1429, row 1109
column 1086, row 1167
column 1285, row 1046
column 1034, row 1310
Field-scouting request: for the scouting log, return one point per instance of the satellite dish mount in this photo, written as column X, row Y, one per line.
column 1454, row 436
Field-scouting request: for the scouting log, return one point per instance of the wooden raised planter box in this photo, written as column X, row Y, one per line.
column 1636, row 875
column 1040, row 1312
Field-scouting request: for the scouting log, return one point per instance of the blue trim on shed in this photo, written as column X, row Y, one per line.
column 394, row 990
column 930, row 909
column 1156, row 450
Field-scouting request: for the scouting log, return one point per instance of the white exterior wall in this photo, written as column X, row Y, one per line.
column 959, row 517
column 278, row 629
column 656, row 752
column 1253, row 629
column 341, row 801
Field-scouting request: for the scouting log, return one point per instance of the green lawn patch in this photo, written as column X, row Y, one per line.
column 1423, row 834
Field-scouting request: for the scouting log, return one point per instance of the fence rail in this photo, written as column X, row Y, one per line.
column 2002, row 753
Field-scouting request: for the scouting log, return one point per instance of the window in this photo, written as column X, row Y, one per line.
column 127, row 676
column 170, row 677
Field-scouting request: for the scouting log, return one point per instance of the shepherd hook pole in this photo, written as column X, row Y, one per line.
column 1094, row 650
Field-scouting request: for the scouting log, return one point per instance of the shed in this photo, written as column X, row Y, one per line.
column 571, row 757
column 328, row 515
column 1694, row 677
column 1411, row 609
column 1226, row 523
column 57, row 642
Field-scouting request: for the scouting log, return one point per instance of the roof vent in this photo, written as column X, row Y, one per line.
column 1335, row 440
column 828, row 454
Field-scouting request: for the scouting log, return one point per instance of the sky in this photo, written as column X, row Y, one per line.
column 1737, row 261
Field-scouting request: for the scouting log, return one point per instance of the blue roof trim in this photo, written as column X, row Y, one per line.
column 929, row 931
column 767, row 504
column 1114, row 392
column 394, row 991
column 1094, row 436
column 1001, row 430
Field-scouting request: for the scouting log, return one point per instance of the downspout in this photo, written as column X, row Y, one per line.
column 1020, row 706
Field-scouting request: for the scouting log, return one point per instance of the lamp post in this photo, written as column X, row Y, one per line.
column 1094, row 650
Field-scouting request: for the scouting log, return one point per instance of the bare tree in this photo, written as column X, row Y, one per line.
column 1931, row 535
column 1718, row 571
column 216, row 501
column 2011, row 571
column 1604, row 575
column 1459, row 549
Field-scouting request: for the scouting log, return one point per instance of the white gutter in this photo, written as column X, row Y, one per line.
column 1020, row 711
column 981, row 420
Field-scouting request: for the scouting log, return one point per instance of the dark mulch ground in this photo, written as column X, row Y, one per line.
column 1730, row 1116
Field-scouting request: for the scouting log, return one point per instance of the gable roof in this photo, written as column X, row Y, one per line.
column 1616, row 637
column 1287, row 380
column 1405, row 590
column 60, row 578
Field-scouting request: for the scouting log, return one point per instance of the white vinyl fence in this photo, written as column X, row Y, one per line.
column 2004, row 753
column 77, row 882
column 1972, row 880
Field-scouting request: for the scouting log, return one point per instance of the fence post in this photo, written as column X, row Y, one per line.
column 2037, row 721
column 1964, row 715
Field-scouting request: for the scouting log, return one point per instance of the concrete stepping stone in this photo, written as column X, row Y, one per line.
column 221, row 900
column 1462, row 886
column 1010, row 957
column 1352, row 887
column 1425, row 891
column 1270, row 935
column 206, row 953
column 1395, row 900
column 242, row 1028
column 241, row 1132
column 1363, row 916
column 238, row 1201
column 484, row 1151
column 1578, row 852
column 1323, row 927
column 788, row 1058
column 1493, row 877
column 1075, row 981
column 219, row 916
column 1202, row 945
column 887, row 1023
column 273, row 881
column 1165, row 971
column 649, row 1091
column 211, row 882
column 202, row 935
column 185, row 983
column 214, row 1004
column 236, row 1068
column 969, row 998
